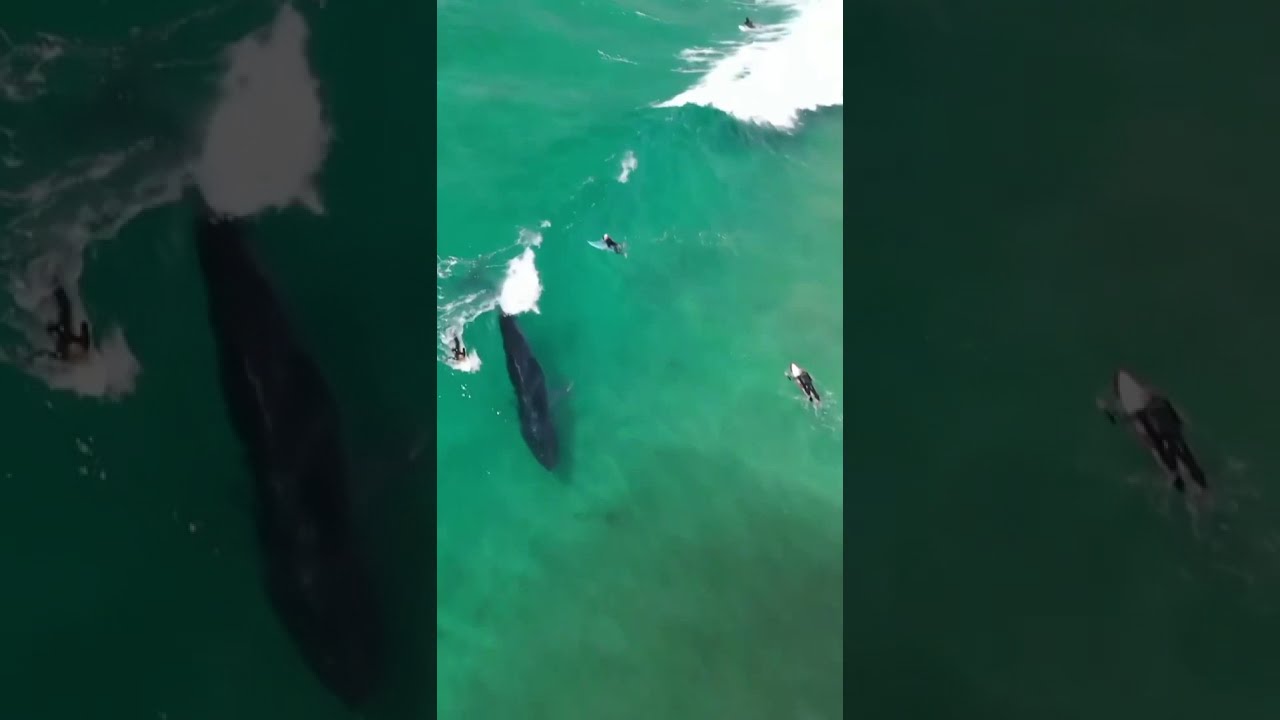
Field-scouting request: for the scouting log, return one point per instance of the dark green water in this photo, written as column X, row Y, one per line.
column 133, row 587
column 1038, row 195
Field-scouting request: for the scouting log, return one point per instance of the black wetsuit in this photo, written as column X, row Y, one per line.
column 459, row 352
column 61, row 330
column 806, row 384
column 1163, row 427
column 748, row 23
column 613, row 245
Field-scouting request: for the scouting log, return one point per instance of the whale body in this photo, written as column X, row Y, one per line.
column 532, row 406
column 281, row 408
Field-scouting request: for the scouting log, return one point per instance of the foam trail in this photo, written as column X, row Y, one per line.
column 22, row 76
column 615, row 58
column 110, row 370
column 780, row 72
column 57, row 216
column 267, row 137
column 629, row 164
column 54, row 258
column 469, row 364
column 453, row 318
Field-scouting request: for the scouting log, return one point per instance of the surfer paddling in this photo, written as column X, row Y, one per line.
column 1158, row 426
column 805, row 383
column 611, row 244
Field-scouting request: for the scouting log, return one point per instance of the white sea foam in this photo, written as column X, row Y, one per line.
column 465, row 290
column 63, row 213
column 778, row 71
column 629, row 164
column 522, row 286
column 267, row 136
column 469, row 364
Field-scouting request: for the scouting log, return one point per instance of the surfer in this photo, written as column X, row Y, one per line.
column 747, row 23
column 611, row 244
column 459, row 352
column 1157, row 424
column 68, row 346
column 805, row 381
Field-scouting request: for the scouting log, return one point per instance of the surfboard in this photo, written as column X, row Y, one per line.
column 1130, row 392
column 793, row 373
column 599, row 245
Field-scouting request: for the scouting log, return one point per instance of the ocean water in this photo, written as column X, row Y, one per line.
column 134, row 587
column 690, row 541
column 685, row 559
column 1038, row 195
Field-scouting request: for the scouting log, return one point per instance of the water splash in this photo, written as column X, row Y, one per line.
column 267, row 137
column 779, row 72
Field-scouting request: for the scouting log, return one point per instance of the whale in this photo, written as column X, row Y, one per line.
column 314, row 569
column 532, row 405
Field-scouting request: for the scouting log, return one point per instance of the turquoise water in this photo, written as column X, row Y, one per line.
column 685, row 561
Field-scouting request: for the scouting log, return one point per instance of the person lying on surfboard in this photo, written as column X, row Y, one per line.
column 805, row 381
column 1158, row 425
column 748, row 23
column 611, row 244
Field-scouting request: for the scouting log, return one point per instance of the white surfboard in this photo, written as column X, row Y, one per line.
column 1130, row 393
column 599, row 245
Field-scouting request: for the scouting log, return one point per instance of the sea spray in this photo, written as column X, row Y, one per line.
column 779, row 73
column 518, row 293
column 267, row 137
column 522, row 287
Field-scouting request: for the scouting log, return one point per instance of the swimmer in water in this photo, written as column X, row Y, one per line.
column 68, row 346
column 1158, row 426
column 805, row 382
column 612, row 244
column 459, row 352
